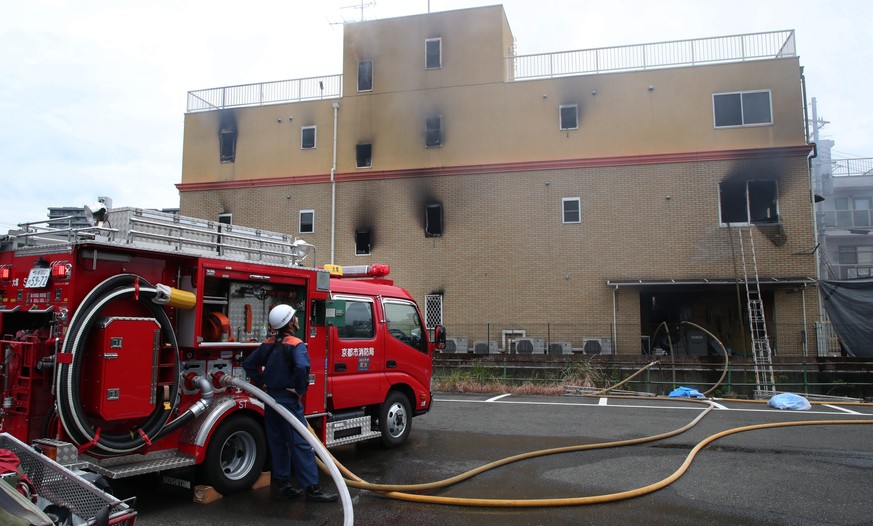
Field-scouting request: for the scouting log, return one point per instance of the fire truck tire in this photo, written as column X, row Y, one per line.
column 395, row 419
column 235, row 455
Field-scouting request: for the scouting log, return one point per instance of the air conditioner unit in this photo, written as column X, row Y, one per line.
column 597, row 345
column 483, row 347
column 456, row 345
column 560, row 348
column 530, row 346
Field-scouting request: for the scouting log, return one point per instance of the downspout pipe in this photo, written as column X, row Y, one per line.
column 333, row 187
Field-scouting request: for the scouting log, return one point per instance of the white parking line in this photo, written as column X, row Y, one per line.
column 615, row 404
column 842, row 409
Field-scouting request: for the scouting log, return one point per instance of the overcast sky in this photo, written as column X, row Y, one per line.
column 93, row 92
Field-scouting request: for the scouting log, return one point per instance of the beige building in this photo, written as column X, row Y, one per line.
column 569, row 198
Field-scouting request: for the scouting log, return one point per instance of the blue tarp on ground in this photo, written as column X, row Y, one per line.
column 789, row 401
column 849, row 305
column 685, row 392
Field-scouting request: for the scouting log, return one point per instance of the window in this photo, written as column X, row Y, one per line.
column 569, row 117
column 572, row 209
column 364, row 155
column 844, row 213
column 307, row 137
column 365, row 75
column 433, row 137
column 747, row 108
column 362, row 243
column 748, row 202
column 861, row 213
column 855, row 261
column 307, row 221
column 433, row 306
column 227, row 144
column 404, row 324
column 224, row 218
column 433, row 220
column 433, row 53
column 359, row 321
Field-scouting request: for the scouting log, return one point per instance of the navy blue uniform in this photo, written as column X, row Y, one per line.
column 285, row 367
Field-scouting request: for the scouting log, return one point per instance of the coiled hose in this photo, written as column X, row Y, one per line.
column 69, row 406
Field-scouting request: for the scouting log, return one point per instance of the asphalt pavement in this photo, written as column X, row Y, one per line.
column 799, row 475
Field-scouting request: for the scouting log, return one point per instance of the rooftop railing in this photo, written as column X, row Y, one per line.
column 677, row 53
column 262, row 93
column 852, row 167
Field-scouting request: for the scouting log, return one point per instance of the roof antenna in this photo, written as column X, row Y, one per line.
column 361, row 6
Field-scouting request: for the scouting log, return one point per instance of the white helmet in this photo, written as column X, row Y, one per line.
column 281, row 316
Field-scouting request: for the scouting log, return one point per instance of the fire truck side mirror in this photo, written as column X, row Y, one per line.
column 439, row 337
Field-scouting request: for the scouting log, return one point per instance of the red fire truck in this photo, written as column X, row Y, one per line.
column 115, row 338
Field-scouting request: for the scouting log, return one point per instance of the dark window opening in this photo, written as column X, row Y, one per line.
column 433, row 220
column 227, row 145
column 572, row 209
column 307, row 137
column 742, row 109
column 362, row 242
column 433, row 131
column 569, row 117
column 748, row 202
column 433, row 53
column 364, row 155
column 307, row 221
column 224, row 218
column 365, row 75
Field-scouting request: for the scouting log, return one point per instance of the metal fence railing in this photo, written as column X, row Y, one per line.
column 852, row 167
column 786, row 339
column 258, row 94
column 733, row 48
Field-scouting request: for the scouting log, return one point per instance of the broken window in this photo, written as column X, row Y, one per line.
column 227, row 144
column 365, row 75
column 742, row 109
column 307, row 137
column 364, row 155
column 433, row 53
column 433, row 220
column 748, row 202
column 362, row 242
column 572, row 209
column 307, row 221
column 433, row 131
column 569, row 117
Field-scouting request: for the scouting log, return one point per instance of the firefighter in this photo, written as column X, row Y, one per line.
column 280, row 366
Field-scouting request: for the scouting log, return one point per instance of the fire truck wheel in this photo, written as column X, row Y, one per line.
column 235, row 455
column 395, row 419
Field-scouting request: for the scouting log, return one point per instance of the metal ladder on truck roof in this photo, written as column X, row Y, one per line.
column 764, row 378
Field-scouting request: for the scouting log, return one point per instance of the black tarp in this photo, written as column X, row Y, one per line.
column 849, row 305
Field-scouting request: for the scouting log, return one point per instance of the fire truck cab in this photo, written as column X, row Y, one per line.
column 115, row 339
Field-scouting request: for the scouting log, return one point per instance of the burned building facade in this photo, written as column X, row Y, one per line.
column 564, row 198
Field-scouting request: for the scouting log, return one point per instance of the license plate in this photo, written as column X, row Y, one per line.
column 37, row 278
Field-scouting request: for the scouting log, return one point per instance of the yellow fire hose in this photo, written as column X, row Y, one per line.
column 401, row 491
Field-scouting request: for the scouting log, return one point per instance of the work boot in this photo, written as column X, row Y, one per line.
column 286, row 491
column 316, row 494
